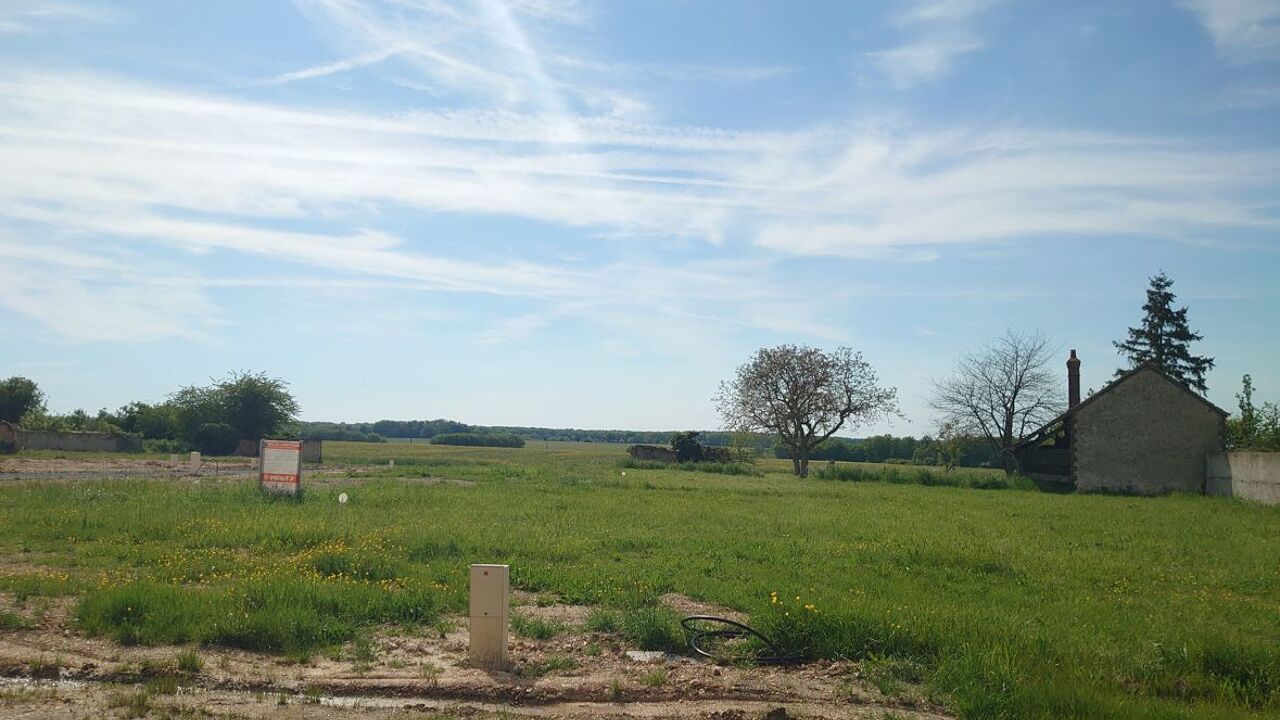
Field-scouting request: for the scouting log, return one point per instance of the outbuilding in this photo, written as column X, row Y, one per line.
column 1144, row 433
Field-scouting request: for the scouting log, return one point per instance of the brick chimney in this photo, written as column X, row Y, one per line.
column 1073, row 380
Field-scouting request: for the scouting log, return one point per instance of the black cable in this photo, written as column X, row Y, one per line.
column 733, row 629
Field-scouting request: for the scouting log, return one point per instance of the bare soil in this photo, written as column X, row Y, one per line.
column 52, row 671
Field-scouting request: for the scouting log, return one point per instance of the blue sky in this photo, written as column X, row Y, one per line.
column 574, row 213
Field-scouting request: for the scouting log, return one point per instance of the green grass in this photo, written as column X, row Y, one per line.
column 535, row 628
column 999, row 604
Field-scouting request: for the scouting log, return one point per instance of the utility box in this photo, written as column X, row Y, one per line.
column 490, row 603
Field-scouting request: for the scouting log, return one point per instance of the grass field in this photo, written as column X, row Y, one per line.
column 1005, row 603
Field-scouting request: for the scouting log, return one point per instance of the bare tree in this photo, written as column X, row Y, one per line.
column 804, row 396
column 1001, row 392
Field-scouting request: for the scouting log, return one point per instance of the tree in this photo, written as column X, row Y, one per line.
column 215, row 439
column 687, row 446
column 1257, row 428
column 19, row 396
column 804, row 396
column 1002, row 392
column 1164, row 338
column 255, row 405
column 949, row 445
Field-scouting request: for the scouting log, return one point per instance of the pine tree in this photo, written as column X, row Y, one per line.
column 1164, row 338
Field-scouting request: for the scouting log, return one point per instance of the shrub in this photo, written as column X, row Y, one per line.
column 687, row 446
column 215, row 439
column 165, row 446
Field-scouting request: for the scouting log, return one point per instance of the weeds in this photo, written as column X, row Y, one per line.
column 130, row 703
column 554, row 663
column 535, row 628
column 602, row 620
column 13, row 621
column 430, row 672
column 655, row 677
column 189, row 662
column 652, row 628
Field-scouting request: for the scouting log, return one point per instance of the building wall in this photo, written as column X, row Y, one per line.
column 78, row 441
column 1249, row 475
column 1145, row 435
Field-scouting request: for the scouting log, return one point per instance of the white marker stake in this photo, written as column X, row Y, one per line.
column 490, row 588
column 194, row 462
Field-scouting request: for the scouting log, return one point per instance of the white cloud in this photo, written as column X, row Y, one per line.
column 943, row 30
column 1242, row 30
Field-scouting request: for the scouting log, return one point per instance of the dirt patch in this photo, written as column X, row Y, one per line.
column 53, row 671
column 686, row 605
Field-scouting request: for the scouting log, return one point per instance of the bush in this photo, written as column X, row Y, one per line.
column 687, row 446
column 215, row 439
column 165, row 446
column 479, row 439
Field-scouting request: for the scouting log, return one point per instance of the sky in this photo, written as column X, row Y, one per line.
column 587, row 214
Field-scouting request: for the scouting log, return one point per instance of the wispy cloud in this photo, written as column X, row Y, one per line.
column 102, row 173
column 1242, row 30
column 942, row 30
column 38, row 16
column 91, row 159
column 338, row 66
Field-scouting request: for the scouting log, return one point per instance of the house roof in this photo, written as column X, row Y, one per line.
column 1035, row 436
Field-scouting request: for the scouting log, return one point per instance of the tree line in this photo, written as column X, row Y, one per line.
column 211, row 418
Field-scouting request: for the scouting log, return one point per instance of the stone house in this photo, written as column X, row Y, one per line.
column 1144, row 433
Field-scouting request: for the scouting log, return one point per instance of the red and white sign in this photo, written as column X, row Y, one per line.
column 280, row 466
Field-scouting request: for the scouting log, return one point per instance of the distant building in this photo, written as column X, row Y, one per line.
column 1144, row 433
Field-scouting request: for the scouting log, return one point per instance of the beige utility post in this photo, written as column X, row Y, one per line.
column 490, row 588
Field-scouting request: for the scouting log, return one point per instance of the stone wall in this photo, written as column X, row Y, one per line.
column 1249, row 475
column 77, row 441
column 1145, row 435
column 652, row 452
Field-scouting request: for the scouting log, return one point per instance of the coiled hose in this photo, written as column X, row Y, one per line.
column 729, row 629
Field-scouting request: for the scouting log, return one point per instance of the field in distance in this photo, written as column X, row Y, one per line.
column 1000, row 603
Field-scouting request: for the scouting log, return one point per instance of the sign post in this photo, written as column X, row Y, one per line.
column 280, row 466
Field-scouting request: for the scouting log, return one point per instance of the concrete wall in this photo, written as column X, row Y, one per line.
column 652, row 452
column 1145, row 435
column 311, row 450
column 1248, row 475
column 78, row 441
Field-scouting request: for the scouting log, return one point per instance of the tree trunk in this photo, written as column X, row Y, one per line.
column 795, row 464
column 804, row 466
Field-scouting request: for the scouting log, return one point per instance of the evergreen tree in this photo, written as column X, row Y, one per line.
column 1164, row 338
